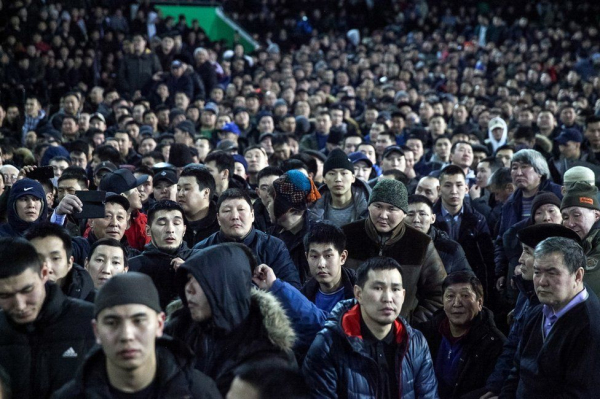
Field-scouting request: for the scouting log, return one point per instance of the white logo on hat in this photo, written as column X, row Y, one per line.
column 27, row 189
column 163, row 174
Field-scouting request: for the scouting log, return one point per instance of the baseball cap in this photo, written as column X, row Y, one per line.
column 226, row 145
column 187, row 126
column 176, row 64
column 496, row 122
column 98, row 115
column 569, row 135
column 392, row 148
column 111, row 167
column 212, row 107
column 359, row 156
column 118, row 198
column 231, row 128
column 120, row 181
column 167, row 175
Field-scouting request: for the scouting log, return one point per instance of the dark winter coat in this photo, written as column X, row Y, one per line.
column 175, row 375
column 246, row 324
column 295, row 245
column 42, row 356
column 267, row 249
column 262, row 221
column 156, row 263
column 339, row 365
column 201, row 229
column 480, row 348
column 423, row 271
column 452, row 255
column 135, row 72
column 564, row 364
column 79, row 284
column 360, row 196
column 16, row 226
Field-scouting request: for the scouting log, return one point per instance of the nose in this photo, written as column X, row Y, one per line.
column 128, row 331
column 189, row 288
column 20, row 302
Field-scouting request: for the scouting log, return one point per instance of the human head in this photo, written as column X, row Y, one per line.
column 558, row 271
column 166, row 225
column 462, row 295
column 453, row 187
column 429, row 187
column 235, row 213
column 195, row 188
column 545, row 208
column 388, row 204
column 528, row 168
column 257, row 159
column 379, row 291
column 26, row 204
column 165, row 185
column 580, row 208
column 461, row 154
column 221, row 166
column 128, row 320
column 54, row 247
column 291, row 194
column 420, row 213
column 338, row 173
column 22, row 291
column 270, row 379
column 485, row 168
column 326, row 253
column 116, row 219
column 106, row 259
column 504, row 154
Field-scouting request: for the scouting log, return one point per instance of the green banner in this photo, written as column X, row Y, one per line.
column 214, row 22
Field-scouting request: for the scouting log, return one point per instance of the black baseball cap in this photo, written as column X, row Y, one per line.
column 120, row 181
column 167, row 175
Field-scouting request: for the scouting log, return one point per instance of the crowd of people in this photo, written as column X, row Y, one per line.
column 385, row 199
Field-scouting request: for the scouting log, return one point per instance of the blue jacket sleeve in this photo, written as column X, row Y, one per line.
column 307, row 319
column 282, row 264
column 319, row 369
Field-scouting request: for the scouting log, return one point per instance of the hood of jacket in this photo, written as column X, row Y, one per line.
column 497, row 143
column 224, row 273
column 79, row 283
column 20, row 189
column 435, row 233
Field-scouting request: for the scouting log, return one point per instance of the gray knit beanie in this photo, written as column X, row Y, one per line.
column 391, row 192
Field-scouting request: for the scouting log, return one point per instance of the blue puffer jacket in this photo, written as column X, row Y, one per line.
column 267, row 249
column 338, row 364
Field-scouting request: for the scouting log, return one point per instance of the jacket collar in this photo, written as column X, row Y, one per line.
column 245, row 240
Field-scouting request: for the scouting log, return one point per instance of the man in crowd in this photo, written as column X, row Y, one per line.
column 165, row 185
column 44, row 335
column 106, row 259
column 26, row 207
column 133, row 356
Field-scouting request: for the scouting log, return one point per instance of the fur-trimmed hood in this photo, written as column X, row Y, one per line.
column 275, row 321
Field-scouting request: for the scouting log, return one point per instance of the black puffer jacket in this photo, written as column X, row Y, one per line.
column 157, row 264
column 246, row 325
column 79, row 284
column 481, row 347
column 175, row 375
column 203, row 228
column 452, row 255
column 42, row 356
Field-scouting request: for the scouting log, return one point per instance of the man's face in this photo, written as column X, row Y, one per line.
column 32, row 107
column 554, row 285
column 453, row 190
column 567, row 116
column 51, row 250
column 416, row 147
column 147, row 146
column 483, row 174
column 524, row 176
column 167, row 230
column 385, row 216
column 462, row 155
column 203, row 147
column 369, row 151
column 22, row 296
column 197, row 301
column 104, row 263
column 339, row 181
column 547, row 213
column 28, row 208
column 429, row 187
column 235, row 217
column 526, row 262
column 266, row 125
column 325, row 263
column 337, row 117
column 59, row 167
column 505, row 156
column 420, row 217
column 579, row 219
column 257, row 160
column 437, row 126
column 324, row 123
column 69, row 127
column 362, row 170
column 461, row 304
column 128, row 335
column 569, row 150
column 383, row 141
column 394, row 160
column 282, row 151
column 78, row 159
column 146, row 188
column 71, row 105
column 135, row 198
column 351, row 144
column 113, row 224
column 165, row 190
column 214, row 171
column 68, row 186
column 381, row 298
column 263, row 188
column 442, row 148
column 190, row 197
column 592, row 133
column 124, row 143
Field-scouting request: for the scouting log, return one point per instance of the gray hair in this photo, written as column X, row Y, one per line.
column 573, row 255
column 533, row 158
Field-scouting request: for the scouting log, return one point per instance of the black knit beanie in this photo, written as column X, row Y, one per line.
column 337, row 159
column 391, row 192
column 544, row 198
column 125, row 289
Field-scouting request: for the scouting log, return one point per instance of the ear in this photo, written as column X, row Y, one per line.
column 128, row 221
column 343, row 257
column 358, row 293
column 225, row 174
column 70, row 263
column 438, row 188
column 432, row 217
column 148, row 231
column 86, row 264
column 161, row 324
column 44, row 273
column 95, row 327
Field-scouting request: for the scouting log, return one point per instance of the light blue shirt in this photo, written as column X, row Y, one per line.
column 550, row 318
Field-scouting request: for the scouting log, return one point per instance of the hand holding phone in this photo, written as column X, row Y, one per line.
column 93, row 204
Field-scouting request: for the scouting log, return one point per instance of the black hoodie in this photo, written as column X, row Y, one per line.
column 246, row 325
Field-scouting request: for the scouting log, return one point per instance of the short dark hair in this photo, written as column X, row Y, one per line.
column 505, row 147
column 202, row 175
column 274, row 379
column 420, row 199
column 47, row 229
column 308, row 160
column 293, row 164
column 524, row 132
column 61, row 158
column 456, row 145
column 222, row 160
column 233, row 193
column 325, row 233
column 22, row 256
column 591, row 119
column 157, row 155
column 494, row 163
column 165, row 205
column 572, row 253
column 77, row 173
column 109, row 242
column 398, row 175
column 268, row 171
column 376, row 263
column 500, row 178
column 124, row 132
column 464, row 277
column 108, row 153
column 452, row 170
